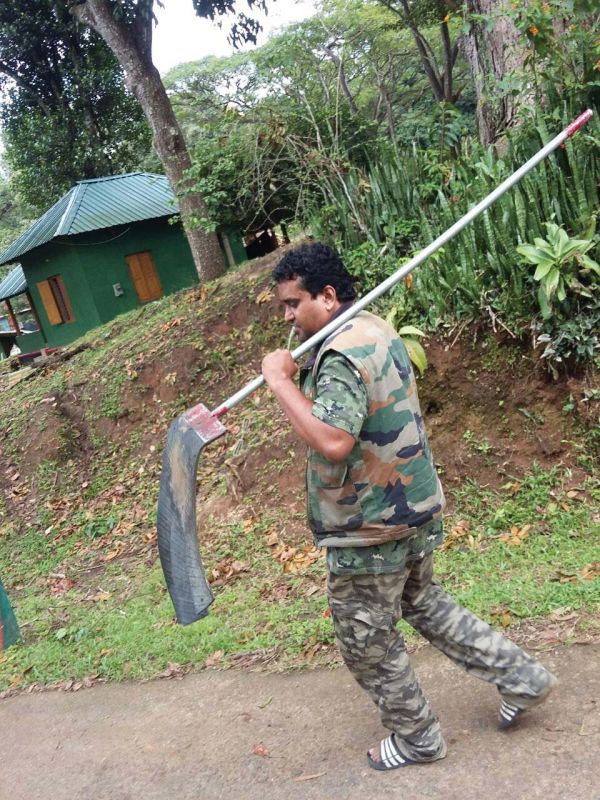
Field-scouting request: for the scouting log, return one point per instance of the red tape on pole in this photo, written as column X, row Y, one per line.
column 576, row 124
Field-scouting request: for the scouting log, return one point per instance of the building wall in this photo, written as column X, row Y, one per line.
column 91, row 263
column 170, row 252
column 42, row 263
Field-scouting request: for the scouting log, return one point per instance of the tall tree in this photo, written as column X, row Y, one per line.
column 63, row 107
column 530, row 55
column 269, row 129
column 438, row 63
column 126, row 27
column 494, row 49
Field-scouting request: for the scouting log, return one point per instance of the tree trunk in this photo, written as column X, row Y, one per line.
column 133, row 51
column 492, row 54
column 439, row 76
column 343, row 83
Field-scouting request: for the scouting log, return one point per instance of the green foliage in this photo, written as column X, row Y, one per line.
column 15, row 216
column 244, row 29
column 570, row 339
column 64, row 109
column 414, row 347
column 568, row 295
column 410, row 336
column 368, row 263
column 394, row 211
column 562, row 267
column 563, row 49
column 274, row 132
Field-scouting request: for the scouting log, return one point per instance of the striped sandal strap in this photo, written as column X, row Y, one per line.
column 391, row 757
column 508, row 714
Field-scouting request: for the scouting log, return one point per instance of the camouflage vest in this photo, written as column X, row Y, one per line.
column 388, row 485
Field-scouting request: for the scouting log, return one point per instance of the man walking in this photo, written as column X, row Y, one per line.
column 375, row 502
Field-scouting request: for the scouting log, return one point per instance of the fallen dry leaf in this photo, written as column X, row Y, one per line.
column 501, row 616
column 563, row 614
column 591, row 571
column 516, row 535
column 260, row 750
column 264, row 296
column 115, row 553
column 459, row 534
column 295, row 560
column 172, row 324
column 214, row 658
column 278, row 592
column 311, row 652
column 61, row 584
column 564, row 577
column 226, row 571
column 172, row 671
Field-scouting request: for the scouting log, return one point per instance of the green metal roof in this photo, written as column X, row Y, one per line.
column 13, row 284
column 95, row 204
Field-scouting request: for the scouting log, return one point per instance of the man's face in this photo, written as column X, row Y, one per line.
column 306, row 314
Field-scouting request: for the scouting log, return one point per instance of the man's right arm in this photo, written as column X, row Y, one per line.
column 335, row 444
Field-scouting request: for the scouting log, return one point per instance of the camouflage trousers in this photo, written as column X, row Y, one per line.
column 365, row 609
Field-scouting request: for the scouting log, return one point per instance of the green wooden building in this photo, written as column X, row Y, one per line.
column 104, row 248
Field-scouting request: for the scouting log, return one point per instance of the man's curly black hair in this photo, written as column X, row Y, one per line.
column 316, row 265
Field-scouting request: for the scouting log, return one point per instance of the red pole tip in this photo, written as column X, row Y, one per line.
column 581, row 120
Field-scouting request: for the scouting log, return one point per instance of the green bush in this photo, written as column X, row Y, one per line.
column 381, row 217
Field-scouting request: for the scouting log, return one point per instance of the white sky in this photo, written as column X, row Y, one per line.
column 181, row 36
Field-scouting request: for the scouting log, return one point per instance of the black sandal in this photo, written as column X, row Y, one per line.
column 392, row 758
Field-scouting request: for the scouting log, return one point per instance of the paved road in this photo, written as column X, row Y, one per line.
column 193, row 739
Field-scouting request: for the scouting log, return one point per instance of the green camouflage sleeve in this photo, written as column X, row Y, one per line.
column 341, row 396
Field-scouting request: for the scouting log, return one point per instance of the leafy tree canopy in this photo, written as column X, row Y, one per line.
column 15, row 216
column 265, row 127
column 244, row 29
column 64, row 110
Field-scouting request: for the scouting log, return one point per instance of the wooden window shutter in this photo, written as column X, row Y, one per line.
column 144, row 276
column 50, row 304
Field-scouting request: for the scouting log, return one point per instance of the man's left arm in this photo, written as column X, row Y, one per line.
column 278, row 369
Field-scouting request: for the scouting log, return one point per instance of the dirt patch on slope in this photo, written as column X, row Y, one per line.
column 492, row 411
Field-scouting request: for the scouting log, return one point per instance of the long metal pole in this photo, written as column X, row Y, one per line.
column 404, row 270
